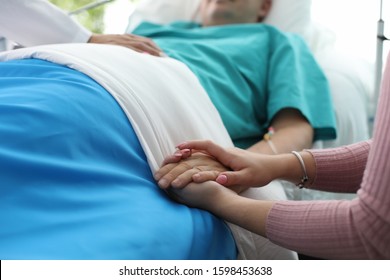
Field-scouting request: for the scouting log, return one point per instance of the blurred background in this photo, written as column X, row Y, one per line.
column 352, row 23
column 107, row 18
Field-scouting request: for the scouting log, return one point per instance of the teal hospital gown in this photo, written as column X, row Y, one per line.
column 250, row 72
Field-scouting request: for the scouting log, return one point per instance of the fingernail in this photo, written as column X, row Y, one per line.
column 163, row 183
column 178, row 154
column 222, row 179
column 175, row 183
column 181, row 145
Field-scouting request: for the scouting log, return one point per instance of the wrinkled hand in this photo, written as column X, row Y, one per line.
column 134, row 42
column 178, row 170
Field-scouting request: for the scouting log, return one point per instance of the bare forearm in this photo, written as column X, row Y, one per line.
column 244, row 212
column 291, row 132
column 285, row 140
column 49, row 23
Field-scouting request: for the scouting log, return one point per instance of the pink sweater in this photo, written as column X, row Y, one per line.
column 356, row 229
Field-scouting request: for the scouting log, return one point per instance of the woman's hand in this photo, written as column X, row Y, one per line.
column 248, row 169
column 134, row 42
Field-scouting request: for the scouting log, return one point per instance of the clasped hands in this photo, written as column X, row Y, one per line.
column 202, row 161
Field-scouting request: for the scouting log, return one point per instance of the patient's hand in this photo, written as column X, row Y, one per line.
column 178, row 171
column 134, row 42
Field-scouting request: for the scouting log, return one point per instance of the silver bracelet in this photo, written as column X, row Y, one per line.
column 304, row 178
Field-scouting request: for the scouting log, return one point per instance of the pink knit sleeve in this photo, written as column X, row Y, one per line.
column 353, row 229
column 340, row 169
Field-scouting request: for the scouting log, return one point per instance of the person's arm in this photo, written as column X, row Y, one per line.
column 36, row 22
column 340, row 169
column 325, row 229
column 292, row 132
column 226, row 204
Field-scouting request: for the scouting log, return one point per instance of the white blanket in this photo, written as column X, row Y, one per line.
column 161, row 97
column 166, row 105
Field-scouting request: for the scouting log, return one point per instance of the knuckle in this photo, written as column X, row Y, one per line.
column 169, row 177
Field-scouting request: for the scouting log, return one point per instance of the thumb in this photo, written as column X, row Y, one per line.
column 232, row 178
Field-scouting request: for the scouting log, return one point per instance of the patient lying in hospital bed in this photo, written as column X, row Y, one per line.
column 75, row 180
column 66, row 161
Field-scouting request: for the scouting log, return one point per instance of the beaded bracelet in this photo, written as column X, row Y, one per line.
column 304, row 178
column 267, row 138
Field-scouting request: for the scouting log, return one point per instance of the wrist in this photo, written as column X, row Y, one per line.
column 297, row 168
column 93, row 38
column 279, row 166
column 220, row 199
column 289, row 168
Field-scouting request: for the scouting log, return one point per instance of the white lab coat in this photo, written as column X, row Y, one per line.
column 36, row 22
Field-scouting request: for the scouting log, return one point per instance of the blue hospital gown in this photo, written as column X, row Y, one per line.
column 250, row 72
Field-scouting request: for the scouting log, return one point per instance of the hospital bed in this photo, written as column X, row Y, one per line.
column 100, row 224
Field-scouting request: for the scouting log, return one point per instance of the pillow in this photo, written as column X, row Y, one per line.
column 163, row 11
column 288, row 15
